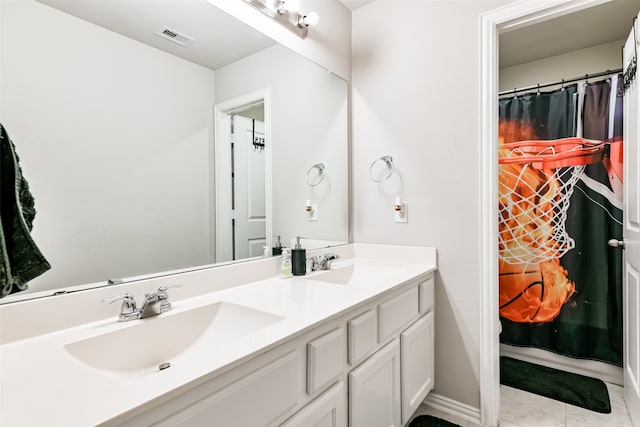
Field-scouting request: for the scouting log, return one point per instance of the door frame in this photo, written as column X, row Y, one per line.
column 222, row 150
column 507, row 18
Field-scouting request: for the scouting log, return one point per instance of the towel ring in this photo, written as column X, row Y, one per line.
column 315, row 174
column 383, row 168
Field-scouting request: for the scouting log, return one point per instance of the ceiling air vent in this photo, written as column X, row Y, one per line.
column 175, row 36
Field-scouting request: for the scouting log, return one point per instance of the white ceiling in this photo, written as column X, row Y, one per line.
column 220, row 38
column 599, row 24
column 355, row 4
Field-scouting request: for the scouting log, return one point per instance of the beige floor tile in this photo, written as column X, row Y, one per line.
column 530, row 410
column 578, row 417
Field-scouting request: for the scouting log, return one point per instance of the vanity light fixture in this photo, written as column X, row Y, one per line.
column 285, row 6
column 309, row 20
column 286, row 13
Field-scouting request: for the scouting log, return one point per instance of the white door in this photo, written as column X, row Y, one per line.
column 249, row 187
column 631, row 233
column 416, row 364
column 374, row 390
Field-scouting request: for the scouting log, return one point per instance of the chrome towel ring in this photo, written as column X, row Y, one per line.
column 315, row 175
column 381, row 169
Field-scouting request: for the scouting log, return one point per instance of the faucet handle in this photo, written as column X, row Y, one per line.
column 314, row 262
column 126, row 299
column 162, row 290
column 128, row 304
column 165, row 305
column 327, row 259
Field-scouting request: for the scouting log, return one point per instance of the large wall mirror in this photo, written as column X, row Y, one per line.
column 141, row 148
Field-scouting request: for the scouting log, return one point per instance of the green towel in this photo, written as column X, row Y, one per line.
column 20, row 258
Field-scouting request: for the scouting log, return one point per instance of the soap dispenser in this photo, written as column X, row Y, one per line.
column 277, row 248
column 299, row 259
column 285, row 265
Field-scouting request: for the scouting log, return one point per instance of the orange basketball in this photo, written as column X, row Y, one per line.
column 521, row 291
column 533, row 292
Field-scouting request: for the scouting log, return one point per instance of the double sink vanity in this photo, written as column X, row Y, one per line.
column 352, row 345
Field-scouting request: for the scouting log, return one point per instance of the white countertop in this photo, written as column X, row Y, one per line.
column 41, row 384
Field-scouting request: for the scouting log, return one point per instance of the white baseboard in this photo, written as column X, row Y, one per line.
column 590, row 368
column 453, row 407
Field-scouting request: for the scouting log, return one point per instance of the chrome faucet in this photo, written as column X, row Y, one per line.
column 322, row 262
column 314, row 263
column 153, row 304
column 128, row 310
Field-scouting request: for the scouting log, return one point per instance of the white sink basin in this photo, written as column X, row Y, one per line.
column 358, row 274
column 149, row 342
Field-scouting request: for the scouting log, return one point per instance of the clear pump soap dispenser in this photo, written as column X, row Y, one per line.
column 285, row 264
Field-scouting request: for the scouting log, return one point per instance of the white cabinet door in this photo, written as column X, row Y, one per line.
column 374, row 390
column 328, row 410
column 416, row 364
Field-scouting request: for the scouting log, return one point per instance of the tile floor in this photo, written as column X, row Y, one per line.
column 522, row 409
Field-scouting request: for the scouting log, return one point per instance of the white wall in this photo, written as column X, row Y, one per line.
column 309, row 107
column 415, row 95
column 327, row 44
column 591, row 60
column 102, row 123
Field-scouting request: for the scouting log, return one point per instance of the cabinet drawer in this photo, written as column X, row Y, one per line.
column 325, row 360
column 398, row 312
column 361, row 332
column 426, row 295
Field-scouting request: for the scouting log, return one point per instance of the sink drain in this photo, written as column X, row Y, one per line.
column 164, row 366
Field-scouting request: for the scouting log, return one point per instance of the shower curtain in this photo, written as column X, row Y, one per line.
column 572, row 304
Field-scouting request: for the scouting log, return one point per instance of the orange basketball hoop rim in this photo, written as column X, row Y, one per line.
column 554, row 153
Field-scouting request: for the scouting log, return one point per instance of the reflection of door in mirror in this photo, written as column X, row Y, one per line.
column 243, row 165
column 248, row 189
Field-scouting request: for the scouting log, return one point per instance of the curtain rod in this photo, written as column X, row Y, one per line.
column 576, row 79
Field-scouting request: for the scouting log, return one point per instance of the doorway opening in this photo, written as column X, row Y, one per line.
column 494, row 23
column 243, row 217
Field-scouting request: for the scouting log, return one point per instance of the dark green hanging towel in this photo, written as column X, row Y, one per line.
column 20, row 258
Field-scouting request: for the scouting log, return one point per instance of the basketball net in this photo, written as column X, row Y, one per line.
column 536, row 180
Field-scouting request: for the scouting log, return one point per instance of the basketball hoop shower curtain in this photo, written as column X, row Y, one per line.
column 566, row 298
